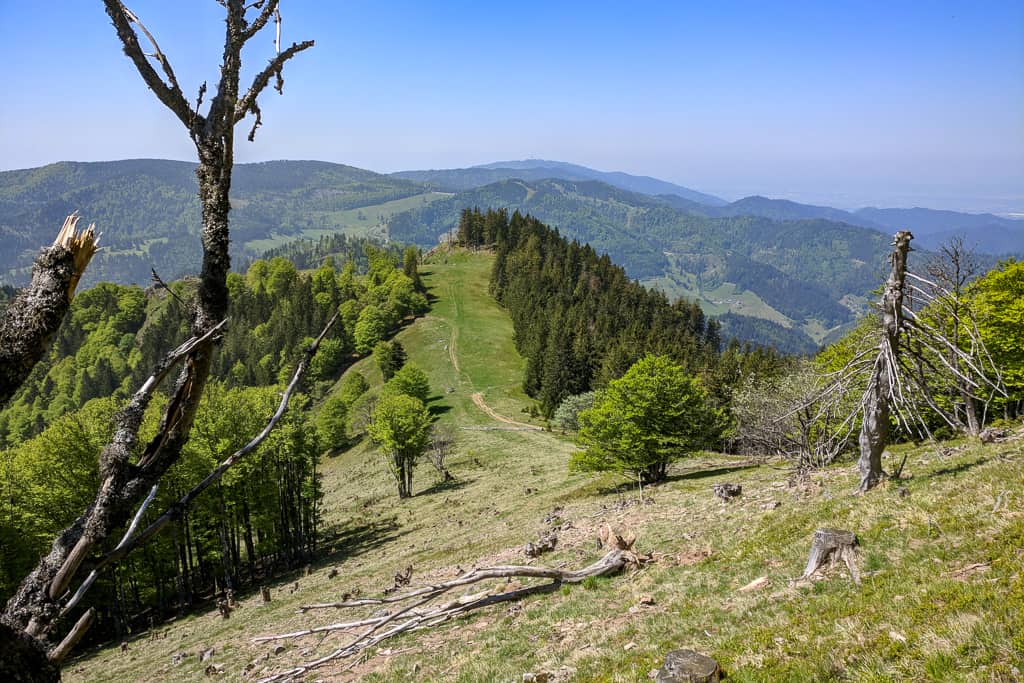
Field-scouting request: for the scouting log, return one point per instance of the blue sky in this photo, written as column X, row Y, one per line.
column 845, row 103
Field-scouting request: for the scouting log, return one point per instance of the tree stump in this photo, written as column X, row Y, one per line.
column 727, row 491
column 832, row 545
column 687, row 666
column 264, row 594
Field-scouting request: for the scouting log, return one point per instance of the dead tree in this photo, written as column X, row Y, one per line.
column 874, row 428
column 951, row 270
column 902, row 378
column 419, row 608
column 39, row 602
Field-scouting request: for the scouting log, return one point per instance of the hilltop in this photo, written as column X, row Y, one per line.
column 941, row 595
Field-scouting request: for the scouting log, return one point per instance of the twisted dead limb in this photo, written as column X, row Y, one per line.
column 417, row 614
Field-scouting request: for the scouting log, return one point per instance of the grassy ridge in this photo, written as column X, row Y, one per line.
column 941, row 599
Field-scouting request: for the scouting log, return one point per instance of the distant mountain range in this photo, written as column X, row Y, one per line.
column 786, row 273
column 986, row 233
column 457, row 179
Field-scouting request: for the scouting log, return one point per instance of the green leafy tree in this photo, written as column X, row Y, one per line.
column 370, row 328
column 651, row 416
column 352, row 387
column 401, row 428
column 410, row 266
column 332, row 420
column 328, row 359
column 567, row 415
column 390, row 357
column 411, row 381
column 999, row 304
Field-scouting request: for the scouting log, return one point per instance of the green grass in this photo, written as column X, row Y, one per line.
column 916, row 617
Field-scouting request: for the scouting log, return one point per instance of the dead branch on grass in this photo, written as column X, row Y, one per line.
column 415, row 612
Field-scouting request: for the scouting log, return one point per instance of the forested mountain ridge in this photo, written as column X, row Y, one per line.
column 792, row 271
column 145, row 207
column 810, row 274
column 458, row 179
column 986, row 233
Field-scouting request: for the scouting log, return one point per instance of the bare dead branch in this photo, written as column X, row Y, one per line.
column 178, row 508
column 262, row 80
column 94, row 574
column 412, row 617
column 266, row 12
column 168, row 93
column 118, row 450
column 57, row 654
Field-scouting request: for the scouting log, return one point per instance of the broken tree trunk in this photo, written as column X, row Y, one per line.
column 832, row 545
column 874, row 430
column 32, row 318
column 688, row 666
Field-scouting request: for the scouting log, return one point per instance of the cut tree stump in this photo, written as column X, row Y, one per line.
column 688, row 666
column 832, row 545
column 727, row 491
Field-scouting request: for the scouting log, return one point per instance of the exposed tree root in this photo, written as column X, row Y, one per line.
column 416, row 613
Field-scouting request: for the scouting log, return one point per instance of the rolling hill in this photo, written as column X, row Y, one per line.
column 787, row 273
column 144, row 207
column 805, row 275
column 457, row 179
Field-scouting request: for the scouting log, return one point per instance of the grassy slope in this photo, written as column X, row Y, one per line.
column 914, row 618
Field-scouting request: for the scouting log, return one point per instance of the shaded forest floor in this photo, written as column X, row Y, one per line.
column 941, row 553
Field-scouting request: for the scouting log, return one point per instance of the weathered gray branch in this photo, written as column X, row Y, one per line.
column 176, row 510
column 417, row 616
column 168, row 93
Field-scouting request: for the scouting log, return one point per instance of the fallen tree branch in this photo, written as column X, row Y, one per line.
column 417, row 615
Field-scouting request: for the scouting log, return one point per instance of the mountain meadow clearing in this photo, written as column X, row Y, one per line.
column 940, row 555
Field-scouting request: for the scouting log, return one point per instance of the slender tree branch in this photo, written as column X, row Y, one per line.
column 261, row 20
column 168, row 93
column 87, row 584
column 57, row 654
column 262, row 79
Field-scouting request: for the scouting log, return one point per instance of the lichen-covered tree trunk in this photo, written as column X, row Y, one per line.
column 35, row 609
column 32, row 318
column 874, row 430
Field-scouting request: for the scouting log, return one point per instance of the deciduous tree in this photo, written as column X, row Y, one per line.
column 645, row 420
column 401, row 428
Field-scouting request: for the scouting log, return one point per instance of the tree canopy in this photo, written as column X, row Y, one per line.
column 640, row 423
column 401, row 428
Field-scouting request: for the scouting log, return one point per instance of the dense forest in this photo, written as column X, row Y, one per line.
column 580, row 321
column 263, row 517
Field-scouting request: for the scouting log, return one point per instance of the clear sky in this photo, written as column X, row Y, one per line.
column 845, row 103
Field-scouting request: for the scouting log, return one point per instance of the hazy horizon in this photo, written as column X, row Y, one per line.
column 849, row 105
